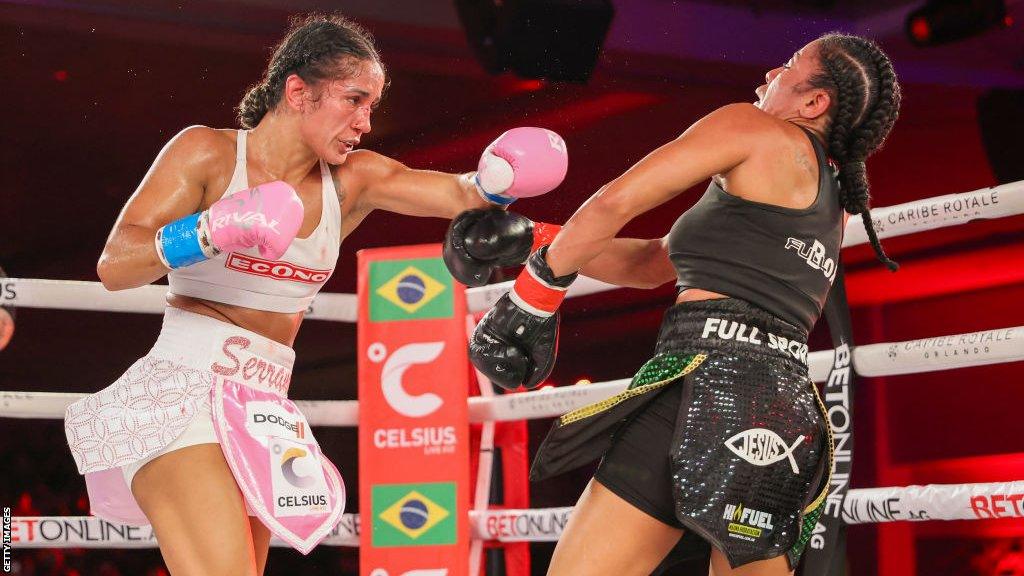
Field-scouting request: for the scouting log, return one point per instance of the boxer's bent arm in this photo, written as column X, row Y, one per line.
column 172, row 188
column 390, row 185
column 713, row 145
column 632, row 263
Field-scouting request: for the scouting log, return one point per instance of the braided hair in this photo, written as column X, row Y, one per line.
column 866, row 102
column 317, row 47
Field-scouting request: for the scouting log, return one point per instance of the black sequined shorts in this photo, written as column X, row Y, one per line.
column 721, row 433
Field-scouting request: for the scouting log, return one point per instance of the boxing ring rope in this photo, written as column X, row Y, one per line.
column 884, row 359
column 869, row 505
column 897, row 220
column 915, row 503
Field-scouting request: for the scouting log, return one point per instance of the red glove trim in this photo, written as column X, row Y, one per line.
column 543, row 233
column 536, row 296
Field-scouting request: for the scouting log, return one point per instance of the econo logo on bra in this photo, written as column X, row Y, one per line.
column 276, row 270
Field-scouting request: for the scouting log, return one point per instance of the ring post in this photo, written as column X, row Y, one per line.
column 413, row 415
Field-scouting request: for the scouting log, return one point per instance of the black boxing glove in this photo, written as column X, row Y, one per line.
column 480, row 240
column 516, row 342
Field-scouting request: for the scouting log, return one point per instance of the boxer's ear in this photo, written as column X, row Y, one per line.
column 298, row 94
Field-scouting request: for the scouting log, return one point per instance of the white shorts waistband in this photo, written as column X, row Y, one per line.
column 207, row 344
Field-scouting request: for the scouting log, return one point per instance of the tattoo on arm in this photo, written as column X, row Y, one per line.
column 804, row 162
column 339, row 188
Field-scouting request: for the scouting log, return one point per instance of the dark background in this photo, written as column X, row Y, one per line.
column 93, row 90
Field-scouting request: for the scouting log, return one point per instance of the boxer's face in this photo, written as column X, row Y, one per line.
column 786, row 93
column 340, row 114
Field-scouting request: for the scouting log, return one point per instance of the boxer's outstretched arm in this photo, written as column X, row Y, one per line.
column 172, row 188
column 713, row 145
column 632, row 263
column 520, row 163
column 387, row 184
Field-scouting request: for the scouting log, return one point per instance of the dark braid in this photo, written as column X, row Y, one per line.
column 866, row 96
column 317, row 47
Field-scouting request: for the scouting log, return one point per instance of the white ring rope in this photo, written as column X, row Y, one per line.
column 862, row 506
column 151, row 299
column 908, row 218
column 940, row 212
column 932, row 502
column 885, row 359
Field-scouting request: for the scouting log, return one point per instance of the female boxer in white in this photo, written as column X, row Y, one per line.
column 198, row 437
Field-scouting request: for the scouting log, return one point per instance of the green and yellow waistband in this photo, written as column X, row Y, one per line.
column 656, row 373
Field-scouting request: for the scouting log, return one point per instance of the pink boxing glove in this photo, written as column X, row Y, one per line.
column 267, row 216
column 521, row 163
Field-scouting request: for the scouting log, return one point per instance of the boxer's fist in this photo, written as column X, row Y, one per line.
column 512, row 347
column 521, row 163
column 478, row 241
column 266, row 217
column 517, row 341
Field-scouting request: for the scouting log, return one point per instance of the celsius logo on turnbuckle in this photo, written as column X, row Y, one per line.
column 413, row 406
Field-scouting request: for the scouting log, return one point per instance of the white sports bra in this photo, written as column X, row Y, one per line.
column 243, row 278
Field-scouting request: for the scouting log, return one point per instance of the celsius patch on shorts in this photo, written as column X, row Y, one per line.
column 297, row 480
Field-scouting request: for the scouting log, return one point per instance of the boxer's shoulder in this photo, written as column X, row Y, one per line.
column 201, row 148
column 363, row 168
column 740, row 119
column 204, row 139
column 363, row 163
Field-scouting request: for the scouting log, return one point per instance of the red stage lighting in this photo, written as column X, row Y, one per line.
column 942, row 21
column 920, row 31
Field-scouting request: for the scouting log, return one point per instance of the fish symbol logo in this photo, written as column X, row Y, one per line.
column 762, row 447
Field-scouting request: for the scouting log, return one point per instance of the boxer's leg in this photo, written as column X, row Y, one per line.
column 624, row 523
column 607, row 535
column 260, row 542
column 197, row 512
column 774, row 567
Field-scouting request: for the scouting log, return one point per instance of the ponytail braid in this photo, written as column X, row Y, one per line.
column 866, row 95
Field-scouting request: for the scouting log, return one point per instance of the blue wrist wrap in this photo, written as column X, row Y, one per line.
column 180, row 242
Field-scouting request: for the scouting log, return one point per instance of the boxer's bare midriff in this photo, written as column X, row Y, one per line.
column 277, row 326
column 695, row 294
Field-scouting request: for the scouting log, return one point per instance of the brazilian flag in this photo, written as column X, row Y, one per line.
column 414, row 514
column 417, row 289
